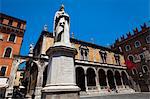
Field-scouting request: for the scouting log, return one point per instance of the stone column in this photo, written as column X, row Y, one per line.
column 39, row 83
column 97, row 82
column 86, row 87
column 9, row 90
column 108, row 87
column 122, row 82
column 115, row 82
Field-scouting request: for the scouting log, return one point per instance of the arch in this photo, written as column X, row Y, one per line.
column 131, row 58
column 124, row 78
column 102, row 77
column 32, row 69
column 118, row 78
column 127, row 47
column 45, row 76
column 21, row 66
column 145, row 69
column 8, row 52
column 91, row 77
column 148, row 39
column 80, row 78
column 137, row 44
column 111, row 79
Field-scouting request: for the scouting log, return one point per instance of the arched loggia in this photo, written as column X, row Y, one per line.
column 118, row 78
column 102, row 77
column 33, row 68
column 91, row 77
column 124, row 78
column 80, row 78
column 111, row 79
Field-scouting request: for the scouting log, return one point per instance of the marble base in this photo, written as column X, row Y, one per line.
column 60, row 92
column 9, row 92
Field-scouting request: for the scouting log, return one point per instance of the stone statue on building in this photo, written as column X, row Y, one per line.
column 61, row 26
column 45, row 28
column 31, row 50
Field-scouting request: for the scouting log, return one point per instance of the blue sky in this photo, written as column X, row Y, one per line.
column 102, row 20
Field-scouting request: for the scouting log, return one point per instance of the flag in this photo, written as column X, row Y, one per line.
column 129, row 64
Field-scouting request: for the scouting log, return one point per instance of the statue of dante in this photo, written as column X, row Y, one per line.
column 61, row 26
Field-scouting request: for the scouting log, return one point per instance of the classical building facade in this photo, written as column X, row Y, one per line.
column 11, row 36
column 98, row 69
column 93, row 68
column 136, row 48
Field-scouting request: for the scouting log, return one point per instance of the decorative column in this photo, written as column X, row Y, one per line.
column 108, row 87
column 122, row 82
column 86, row 87
column 9, row 90
column 115, row 82
column 97, row 82
column 39, row 82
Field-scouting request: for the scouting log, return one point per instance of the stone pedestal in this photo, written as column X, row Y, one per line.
column 61, row 74
column 9, row 92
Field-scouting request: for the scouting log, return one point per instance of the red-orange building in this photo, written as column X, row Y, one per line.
column 11, row 36
column 136, row 49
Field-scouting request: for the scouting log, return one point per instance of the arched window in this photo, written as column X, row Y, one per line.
column 145, row 69
column 148, row 39
column 131, row 58
column 141, row 55
column 137, row 44
column 127, row 47
column 8, row 51
column 12, row 37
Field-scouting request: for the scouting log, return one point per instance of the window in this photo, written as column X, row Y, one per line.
column 1, row 20
column 1, row 37
column 12, row 37
column 127, row 47
column 131, row 58
column 141, row 56
column 145, row 69
column 137, row 44
column 3, row 70
column 8, row 52
column 103, row 56
column 10, row 22
column 117, row 58
column 134, row 72
column 84, row 52
column 18, row 25
column 148, row 39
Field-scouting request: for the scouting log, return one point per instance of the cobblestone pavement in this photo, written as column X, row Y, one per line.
column 120, row 96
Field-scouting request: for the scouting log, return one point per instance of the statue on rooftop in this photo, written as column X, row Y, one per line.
column 61, row 26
